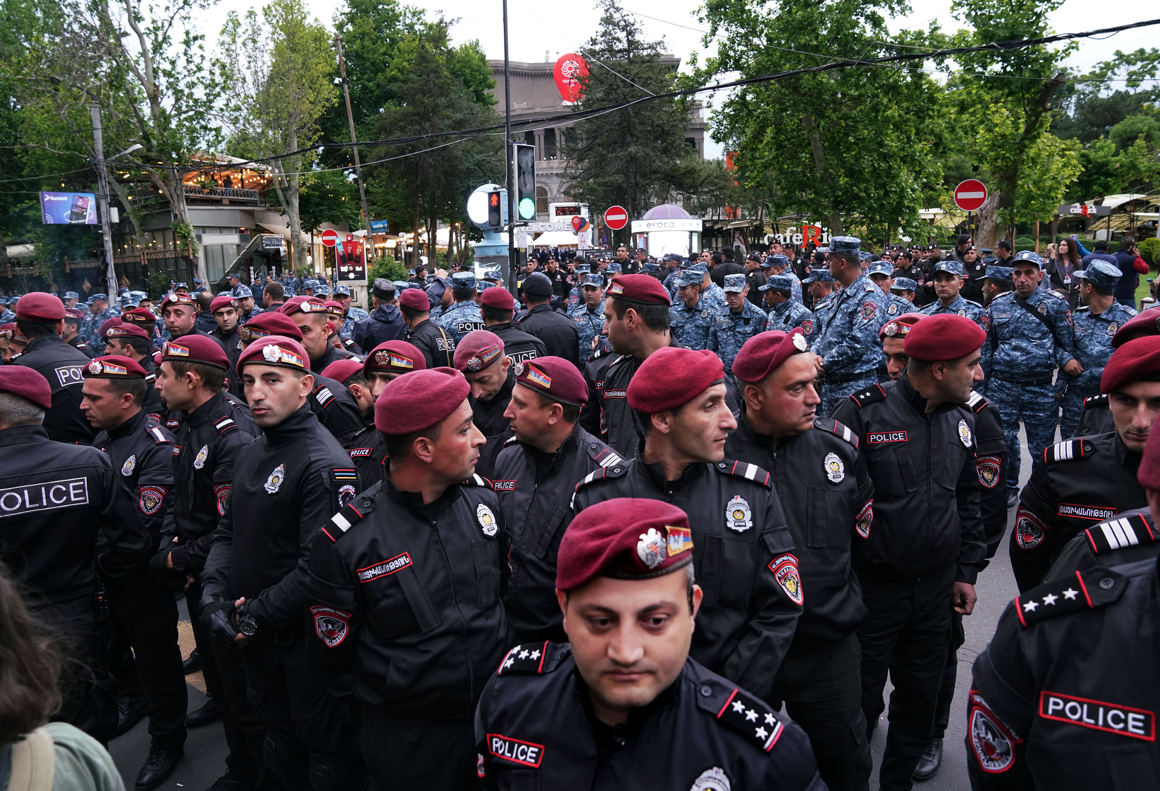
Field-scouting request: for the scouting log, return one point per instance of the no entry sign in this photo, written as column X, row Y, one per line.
column 970, row 195
column 616, row 217
column 330, row 238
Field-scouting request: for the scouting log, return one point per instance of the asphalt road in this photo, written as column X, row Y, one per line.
column 205, row 749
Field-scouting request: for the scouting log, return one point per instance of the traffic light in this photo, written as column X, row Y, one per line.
column 495, row 210
column 525, row 157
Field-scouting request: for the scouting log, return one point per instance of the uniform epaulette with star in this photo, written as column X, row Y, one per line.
column 976, row 402
column 612, row 471
column 840, row 430
column 743, row 469
column 352, row 513
column 1084, row 590
column 869, row 395
column 752, row 719
column 529, row 659
column 605, row 457
column 479, row 480
column 1127, row 531
column 226, row 425
column 1068, row 450
column 1092, row 402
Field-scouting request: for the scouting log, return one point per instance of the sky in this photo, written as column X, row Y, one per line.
column 544, row 31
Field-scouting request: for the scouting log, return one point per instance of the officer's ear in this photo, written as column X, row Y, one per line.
column 305, row 385
column 754, row 397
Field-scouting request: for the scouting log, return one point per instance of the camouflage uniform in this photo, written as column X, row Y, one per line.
column 961, row 306
column 730, row 329
column 792, row 314
column 461, row 317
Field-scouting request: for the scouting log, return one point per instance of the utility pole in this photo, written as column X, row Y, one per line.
column 507, row 149
column 362, row 190
column 103, row 201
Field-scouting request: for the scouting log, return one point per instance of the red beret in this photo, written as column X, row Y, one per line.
column 26, row 383
column 278, row 351
column 624, row 538
column 223, row 301
column 332, row 306
column 420, row 400
column 1146, row 323
column 553, row 377
column 1148, row 473
column 943, row 337
column 416, row 299
column 157, row 358
column 113, row 366
column 108, row 324
column 138, row 316
column 638, row 288
column 303, row 305
column 269, row 323
column 478, row 350
column 672, row 377
column 341, row 370
column 497, row 297
column 180, row 298
column 76, row 314
column 331, row 328
column 195, row 348
column 1131, row 362
column 6, row 330
column 765, row 352
column 899, row 327
column 394, row 357
column 124, row 330
column 40, row 307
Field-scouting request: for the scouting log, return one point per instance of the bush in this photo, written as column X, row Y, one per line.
column 1150, row 251
column 387, row 268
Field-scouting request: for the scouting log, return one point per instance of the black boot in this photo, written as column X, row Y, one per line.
column 163, row 759
column 929, row 763
column 193, row 664
column 131, row 708
column 228, row 782
column 212, row 711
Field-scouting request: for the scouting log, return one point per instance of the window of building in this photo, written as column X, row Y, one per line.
column 530, row 139
column 549, row 144
column 541, row 200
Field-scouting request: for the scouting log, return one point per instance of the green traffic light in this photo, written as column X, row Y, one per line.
column 527, row 209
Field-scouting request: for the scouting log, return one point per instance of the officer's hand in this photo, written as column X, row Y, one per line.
column 1073, row 367
column 189, row 580
column 240, row 638
column 963, row 598
column 168, row 560
column 218, row 618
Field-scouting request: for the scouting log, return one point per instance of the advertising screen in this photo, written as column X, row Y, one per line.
column 69, row 208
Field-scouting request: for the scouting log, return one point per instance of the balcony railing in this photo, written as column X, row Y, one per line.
column 223, row 193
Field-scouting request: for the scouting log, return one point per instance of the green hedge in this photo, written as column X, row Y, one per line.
column 1150, row 251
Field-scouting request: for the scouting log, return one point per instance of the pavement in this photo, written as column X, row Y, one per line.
column 205, row 749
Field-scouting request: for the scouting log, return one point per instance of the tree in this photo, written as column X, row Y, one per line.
column 638, row 157
column 276, row 97
column 856, row 144
column 327, row 197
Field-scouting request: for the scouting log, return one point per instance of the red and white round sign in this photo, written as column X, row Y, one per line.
column 616, row 217
column 970, row 195
column 330, row 238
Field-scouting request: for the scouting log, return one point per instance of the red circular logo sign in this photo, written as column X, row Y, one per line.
column 970, row 195
column 616, row 217
column 330, row 238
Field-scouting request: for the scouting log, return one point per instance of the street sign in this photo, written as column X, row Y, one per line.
column 330, row 238
column 970, row 195
column 616, row 217
column 1083, row 210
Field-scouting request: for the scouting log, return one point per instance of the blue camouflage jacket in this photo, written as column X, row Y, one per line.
column 1020, row 347
column 729, row 331
column 792, row 314
column 1093, row 342
column 898, row 306
column 460, row 319
column 690, row 328
column 847, row 332
column 589, row 323
column 960, row 307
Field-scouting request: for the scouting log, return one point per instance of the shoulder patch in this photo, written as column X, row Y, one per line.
column 976, row 402
column 510, row 441
column 478, row 480
column 1068, row 450
column 225, row 424
column 1085, row 590
column 743, row 469
column 752, row 719
column 159, row 437
column 526, row 658
column 611, row 471
column 840, row 430
column 604, row 456
column 1127, row 531
column 870, row 395
column 344, row 520
column 1092, row 402
column 323, row 395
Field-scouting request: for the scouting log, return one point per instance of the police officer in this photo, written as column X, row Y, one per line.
column 309, row 313
column 143, row 611
column 557, row 331
column 624, row 705
column 498, row 308
column 737, row 323
column 691, row 316
column 224, row 309
column 384, row 322
column 40, row 319
column 535, row 475
column 948, row 282
column 209, row 436
column 1095, row 325
column 102, row 311
column 73, row 494
column 246, row 307
column 410, row 599
column 907, row 267
column 847, row 331
column 463, row 316
column 7, row 315
column 820, row 287
column 902, row 296
column 786, row 313
column 588, row 314
column 1029, row 335
column 70, row 333
column 146, row 320
column 778, row 430
column 881, row 272
column 755, row 277
column 746, row 553
column 1090, row 478
column 926, row 546
column 286, row 485
column 179, row 312
column 778, row 264
column 351, row 314
column 482, row 359
column 436, row 343
column 130, row 340
column 636, row 318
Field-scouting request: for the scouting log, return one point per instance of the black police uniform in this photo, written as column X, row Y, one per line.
column 1096, row 417
column 232, row 343
column 74, row 495
column 1082, row 481
column 558, row 332
column 488, row 418
column 407, row 596
column 534, row 490
column 973, row 284
column 153, row 405
column 368, row 453
column 826, row 492
column 437, row 346
column 743, row 552
column 286, row 485
column 518, row 345
column 335, row 407
column 755, row 280
column 384, row 324
column 1067, row 694
column 924, row 540
column 331, row 355
column 559, row 280
column 143, row 610
column 1130, row 537
column 61, row 365
column 607, row 413
column 82, row 346
column 535, row 728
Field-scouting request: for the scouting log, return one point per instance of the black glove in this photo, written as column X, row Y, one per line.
column 218, row 618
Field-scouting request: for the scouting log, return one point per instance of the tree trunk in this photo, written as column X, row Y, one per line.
column 986, row 235
column 415, row 232
column 819, row 153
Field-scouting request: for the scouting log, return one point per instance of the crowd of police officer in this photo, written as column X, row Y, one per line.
column 365, row 511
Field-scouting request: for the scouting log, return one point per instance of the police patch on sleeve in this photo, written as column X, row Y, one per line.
column 988, row 470
column 129, row 465
column 274, row 482
column 221, row 494
column 865, row 519
column 869, row 309
column 330, row 624
column 486, row 520
column 150, row 499
column 1028, row 529
column 738, row 514
column 964, row 433
column 991, row 742
column 785, row 573
column 835, row 469
column 202, row 455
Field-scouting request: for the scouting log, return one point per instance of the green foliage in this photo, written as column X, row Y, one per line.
column 185, row 237
column 388, row 268
column 1150, row 251
column 327, row 197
